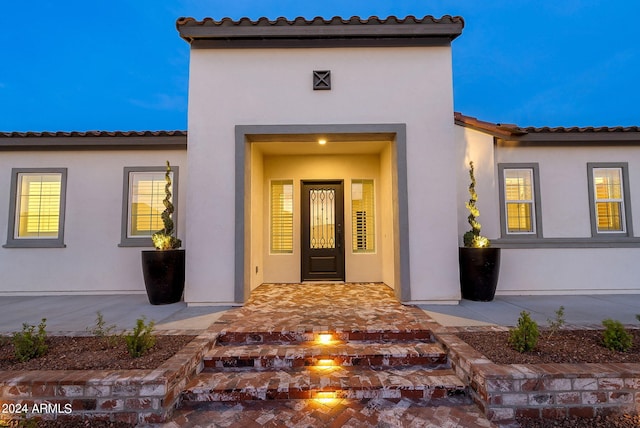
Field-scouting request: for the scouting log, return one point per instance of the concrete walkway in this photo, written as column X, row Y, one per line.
column 78, row 313
column 579, row 310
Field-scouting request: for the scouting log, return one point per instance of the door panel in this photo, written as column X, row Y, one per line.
column 322, row 230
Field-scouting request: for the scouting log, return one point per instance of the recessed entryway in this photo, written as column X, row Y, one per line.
column 278, row 237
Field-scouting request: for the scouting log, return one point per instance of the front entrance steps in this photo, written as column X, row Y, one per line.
column 273, row 365
column 351, row 354
column 246, row 366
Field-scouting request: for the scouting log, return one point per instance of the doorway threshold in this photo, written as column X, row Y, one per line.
column 321, row 282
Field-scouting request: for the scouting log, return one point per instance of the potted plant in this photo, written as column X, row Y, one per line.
column 163, row 268
column 479, row 262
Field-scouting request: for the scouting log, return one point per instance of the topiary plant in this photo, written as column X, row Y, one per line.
column 164, row 239
column 472, row 238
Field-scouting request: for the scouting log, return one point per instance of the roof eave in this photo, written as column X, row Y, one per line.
column 512, row 135
column 409, row 30
column 495, row 129
column 164, row 140
column 574, row 138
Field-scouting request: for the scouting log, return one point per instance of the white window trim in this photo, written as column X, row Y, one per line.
column 626, row 207
column 270, row 220
column 375, row 222
column 143, row 241
column 531, row 202
column 536, row 211
column 35, row 242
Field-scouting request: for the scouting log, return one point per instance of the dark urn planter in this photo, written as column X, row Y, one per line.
column 479, row 270
column 163, row 273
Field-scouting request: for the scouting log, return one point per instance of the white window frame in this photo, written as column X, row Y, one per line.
column 126, row 239
column 536, row 211
column 372, row 217
column 625, row 209
column 14, row 241
column 288, row 182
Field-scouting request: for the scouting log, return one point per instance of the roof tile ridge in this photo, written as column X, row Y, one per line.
column 92, row 133
column 582, row 129
column 319, row 20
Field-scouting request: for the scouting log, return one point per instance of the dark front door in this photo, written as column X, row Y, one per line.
column 322, row 231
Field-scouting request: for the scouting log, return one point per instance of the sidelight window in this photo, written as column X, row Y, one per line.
column 282, row 216
column 362, row 216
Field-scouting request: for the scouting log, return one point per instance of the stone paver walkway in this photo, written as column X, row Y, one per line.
column 277, row 314
column 379, row 412
column 322, row 307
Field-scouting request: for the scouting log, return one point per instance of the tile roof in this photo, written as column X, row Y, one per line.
column 301, row 30
column 92, row 134
column 177, row 139
column 541, row 135
column 96, row 140
column 586, row 129
column 496, row 129
column 336, row 20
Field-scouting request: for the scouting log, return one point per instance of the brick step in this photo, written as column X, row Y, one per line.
column 313, row 383
column 280, row 337
column 431, row 355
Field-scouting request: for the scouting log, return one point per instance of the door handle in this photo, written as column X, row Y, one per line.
column 339, row 235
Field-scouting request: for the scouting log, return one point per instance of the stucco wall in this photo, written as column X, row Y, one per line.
column 569, row 271
column 412, row 86
column 565, row 214
column 564, row 198
column 258, row 214
column 563, row 183
column 92, row 262
column 388, row 233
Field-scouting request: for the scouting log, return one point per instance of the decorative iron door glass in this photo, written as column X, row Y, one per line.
column 322, row 231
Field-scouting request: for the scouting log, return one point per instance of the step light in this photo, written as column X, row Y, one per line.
column 324, row 338
column 325, row 397
column 326, row 362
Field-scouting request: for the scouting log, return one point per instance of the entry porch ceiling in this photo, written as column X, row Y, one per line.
column 307, row 144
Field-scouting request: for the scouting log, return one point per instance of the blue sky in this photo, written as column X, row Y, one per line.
column 120, row 65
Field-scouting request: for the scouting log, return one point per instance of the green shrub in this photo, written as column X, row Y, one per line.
column 20, row 422
column 28, row 344
column 141, row 339
column 104, row 331
column 525, row 336
column 615, row 337
column 557, row 323
column 101, row 329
